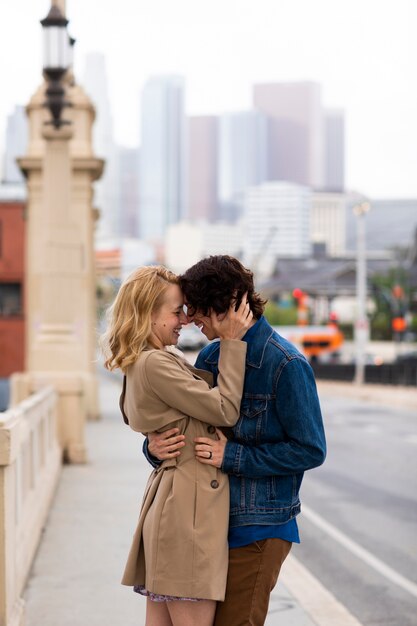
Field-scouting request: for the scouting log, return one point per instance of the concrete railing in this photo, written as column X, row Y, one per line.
column 30, row 465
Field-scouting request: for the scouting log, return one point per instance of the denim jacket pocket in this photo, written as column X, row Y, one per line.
column 252, row 421
column 282, row 490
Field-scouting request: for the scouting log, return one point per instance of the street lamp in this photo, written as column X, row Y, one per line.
column 361, row 323
column 57, row 54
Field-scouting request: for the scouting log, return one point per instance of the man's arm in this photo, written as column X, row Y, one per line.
column 158, row 447
column 298, row 411
column 148, row 456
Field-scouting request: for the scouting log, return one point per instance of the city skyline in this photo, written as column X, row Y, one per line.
column 360, row 52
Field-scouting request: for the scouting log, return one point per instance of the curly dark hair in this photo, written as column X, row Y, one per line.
column 214, row 282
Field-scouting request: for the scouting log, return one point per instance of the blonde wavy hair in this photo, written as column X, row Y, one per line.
column 129, row 317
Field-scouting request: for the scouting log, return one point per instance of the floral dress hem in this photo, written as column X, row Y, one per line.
column 156, row 597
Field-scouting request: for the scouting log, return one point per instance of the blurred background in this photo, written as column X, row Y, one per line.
column 280, row 132
column 242, row 129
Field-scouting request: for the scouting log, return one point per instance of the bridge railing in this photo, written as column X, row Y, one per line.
column 30, row 466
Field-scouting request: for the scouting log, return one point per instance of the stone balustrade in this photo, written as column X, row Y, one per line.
column 30, row 466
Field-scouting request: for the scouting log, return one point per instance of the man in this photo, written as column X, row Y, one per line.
column 278, row 437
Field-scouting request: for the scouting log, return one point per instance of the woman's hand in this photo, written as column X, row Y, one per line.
column 234, row 324
column 210, row 451
column 166, row 445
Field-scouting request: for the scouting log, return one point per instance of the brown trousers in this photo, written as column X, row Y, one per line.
column 252, row 575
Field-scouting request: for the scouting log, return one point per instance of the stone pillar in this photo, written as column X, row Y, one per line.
column 60, row 279
column 60, row 4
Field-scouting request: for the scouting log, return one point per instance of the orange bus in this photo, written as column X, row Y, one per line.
column 313, row 341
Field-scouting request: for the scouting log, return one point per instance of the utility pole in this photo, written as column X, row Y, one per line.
column 361, row 322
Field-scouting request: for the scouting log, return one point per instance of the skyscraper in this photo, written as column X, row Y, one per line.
column 202, row 168
column 129, row 164
column 242, row 158
column 162, row 163
column 296, row 131
column 334, row 173
column 16, row 141
column 107, row 189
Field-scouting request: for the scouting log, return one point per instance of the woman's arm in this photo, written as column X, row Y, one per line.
column 179, row 389
column 218, row 406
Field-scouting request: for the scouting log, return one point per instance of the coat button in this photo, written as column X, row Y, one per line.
column 211, row 429
column 214, row 484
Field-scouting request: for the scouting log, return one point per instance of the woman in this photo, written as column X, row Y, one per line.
column 179, row 554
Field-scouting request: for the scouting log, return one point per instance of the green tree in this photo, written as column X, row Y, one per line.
column 392, row 296
column 280, row 316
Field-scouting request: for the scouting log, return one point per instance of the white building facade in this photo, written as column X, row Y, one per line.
column 328, row 221
column 277, row 224
column 187, row 243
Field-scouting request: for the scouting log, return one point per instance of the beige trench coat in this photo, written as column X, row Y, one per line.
column 180, row 544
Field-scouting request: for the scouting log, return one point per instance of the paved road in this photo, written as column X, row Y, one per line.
column 359, row 527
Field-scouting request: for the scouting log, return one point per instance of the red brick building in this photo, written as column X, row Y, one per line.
column 12, row 264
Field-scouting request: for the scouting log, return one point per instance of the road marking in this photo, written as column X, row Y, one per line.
column 378, row 565
column 314, row 599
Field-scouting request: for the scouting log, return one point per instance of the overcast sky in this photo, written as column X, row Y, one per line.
column 363, row 52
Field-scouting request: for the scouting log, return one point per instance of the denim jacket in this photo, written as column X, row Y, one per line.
column 279, row 434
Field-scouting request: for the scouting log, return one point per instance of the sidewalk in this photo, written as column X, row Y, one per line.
column 404, row 397
column 75, row 580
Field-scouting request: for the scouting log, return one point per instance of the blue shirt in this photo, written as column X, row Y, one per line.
column 244, row 535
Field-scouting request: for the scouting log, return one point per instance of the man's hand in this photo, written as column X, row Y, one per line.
column 235, row 323
column 211, row 451
column 166, row 445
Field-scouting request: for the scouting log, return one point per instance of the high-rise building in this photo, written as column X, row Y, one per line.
column 296, row 131
column 106, row 190
column 162, row 162
column 278, row 224
column 129, row 164
column 334, row 172
column 16, row 142
column 202, row 168
column 242, row 159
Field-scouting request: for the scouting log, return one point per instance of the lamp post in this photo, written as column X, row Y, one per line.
column 361, row 322
column 60, row 167
column 57, row 58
